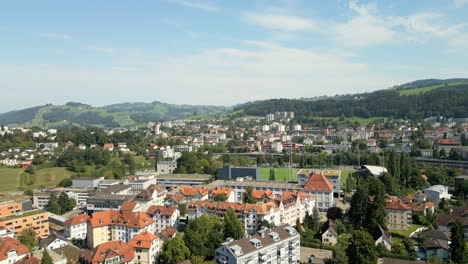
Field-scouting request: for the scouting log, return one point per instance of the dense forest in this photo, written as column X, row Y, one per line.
column 447, row 101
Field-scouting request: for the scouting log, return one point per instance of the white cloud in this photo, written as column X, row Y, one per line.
column 55, row 36
column 460, row 3
column 426, row 25
column 105, row 50
column 223, row 76
column 281, row 22
column 194, row 4
column 364, row 29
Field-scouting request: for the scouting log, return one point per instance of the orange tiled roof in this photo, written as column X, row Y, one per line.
column 223, row 207
column 258, row 194
column 29, row 260
column 8, row 243
column 318, row 182
column 109, row 250
column 128, row 206
column 142, row 240
column 108, row 145
column 121, row 218
column 221, row 190
column 177, row 197
column 77, row 219
column 164, row 210
column 192, row 191
column 447, row 141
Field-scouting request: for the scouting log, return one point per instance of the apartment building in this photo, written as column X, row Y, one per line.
column 115, row 225
column 10, row 207
column 277, row 245
column 35, row 219
column 109, row 252
column 155, row 194
column 164, row 217
column 11, row 250
column 146, row 246
column 400, row 213
column 227, row 192
column 76, row 227
column 195, row 194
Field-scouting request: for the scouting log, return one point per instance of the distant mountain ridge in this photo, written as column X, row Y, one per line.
column 416, row 99
column 124, row 114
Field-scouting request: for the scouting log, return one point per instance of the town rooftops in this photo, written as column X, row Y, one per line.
column 318, row 182
column 120, row 218
column 248, row 245
column 437, row 188
column 109, row 250
column 163, row 210
column 142, row 240
column 128, row 206
column 7, row 244
column 221, row 190
column 77, row 219
column 258, row 194
column 447, row 141
column 192, row 191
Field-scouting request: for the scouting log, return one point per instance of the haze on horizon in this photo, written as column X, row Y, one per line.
column 222, row 52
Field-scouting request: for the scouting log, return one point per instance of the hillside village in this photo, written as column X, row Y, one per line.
column 247, row 190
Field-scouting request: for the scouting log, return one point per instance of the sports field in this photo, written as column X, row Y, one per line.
column 281, row 174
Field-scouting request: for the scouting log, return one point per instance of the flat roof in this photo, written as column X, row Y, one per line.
column 255, row 183
column 24, row 214
column 183, row 176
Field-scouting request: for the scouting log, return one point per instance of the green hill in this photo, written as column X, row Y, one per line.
column 126, row 114
column 409, row 102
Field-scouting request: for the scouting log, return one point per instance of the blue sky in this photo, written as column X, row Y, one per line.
column 222, row 52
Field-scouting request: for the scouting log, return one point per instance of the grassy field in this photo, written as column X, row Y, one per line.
column 281, row 174
column 406, row 233
column 12, row 179
column 363, row 120
column 9, row 178
column 427, row 88
column 344, row 175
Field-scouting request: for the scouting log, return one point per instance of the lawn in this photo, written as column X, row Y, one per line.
column 141, row 163
column 407, row 232
column 281, row 174
column 344, row 175
column 12, row 178
column 362, row 120
column 9, row 178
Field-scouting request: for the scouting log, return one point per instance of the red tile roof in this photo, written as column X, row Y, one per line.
column 77, row 219
column 318, row 182
column 108, row 250
column 192, row 191
column 128, row 206
column 108, row 146
column 142, row 240
column 29, row 260
column 121, row 218
column 177, row 198
column 163, row 210
column 221, row 190
column 8, row 243
column 258, row 194
column 447, row 141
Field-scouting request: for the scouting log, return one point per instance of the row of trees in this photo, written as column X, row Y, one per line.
column 201, row 237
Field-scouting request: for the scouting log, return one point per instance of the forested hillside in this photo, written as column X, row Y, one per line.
column 450, row 101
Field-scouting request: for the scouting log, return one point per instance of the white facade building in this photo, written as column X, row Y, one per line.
column 277, row 245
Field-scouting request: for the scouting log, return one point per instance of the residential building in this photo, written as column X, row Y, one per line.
column 193, row 193
column 6, row 232
column 183, row 148
column 164, row 217
column 76, row 227
column 381, row 237
column 435, row 243
column 146, row 246
column 277, row 245
column 35, row 219
column 10, row 207
column 437, row 192
column 333, row 176
column 52, row 242
column 11, row 250
column 153, row 195
column 270, row 117
column 166, row 167
column 109, row 252
column 227, row 192
column 330, row 236
column 116, row 225
column 321, row 188
column 445, row 222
